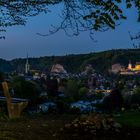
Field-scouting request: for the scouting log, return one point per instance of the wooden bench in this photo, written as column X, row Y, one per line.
column 14, row 105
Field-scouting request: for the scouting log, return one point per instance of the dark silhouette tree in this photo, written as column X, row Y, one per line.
column 92, row 15
column 77, row 15
column 135, row 39
column 16, row 12
column 114, row 101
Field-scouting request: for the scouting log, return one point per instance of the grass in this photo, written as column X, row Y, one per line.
column 4, row 136
column 129, row 118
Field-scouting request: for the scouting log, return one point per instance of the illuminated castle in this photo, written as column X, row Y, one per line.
column 129, row 70
column 136, row 68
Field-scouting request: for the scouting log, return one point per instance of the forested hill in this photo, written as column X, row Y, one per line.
column 100, row 61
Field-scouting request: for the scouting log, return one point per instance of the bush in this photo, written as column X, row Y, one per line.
column 99, row 96
column 3, row 116
column 127, row 97
column 83, row 91
column 135, row 99
column 114, row 101
column 26, row 89
column 72, row 89
column 62, row 106
column 132, row 98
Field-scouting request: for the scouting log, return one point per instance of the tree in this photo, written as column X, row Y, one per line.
column 135, row 98
column 136, row 39
column 114, row 101
column 26, row 89
column 92, row 15
column 77, row 15
column 72, row 89
column 16, row 12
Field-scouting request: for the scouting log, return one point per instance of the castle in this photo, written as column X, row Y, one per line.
column 129, row 70
column 136, row 68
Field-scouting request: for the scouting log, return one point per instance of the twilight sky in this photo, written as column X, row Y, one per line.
column 21, row 40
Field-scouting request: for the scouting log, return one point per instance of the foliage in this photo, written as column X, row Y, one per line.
column 77, row 15
column 72, row 89
column 132, row 98
column 93, row 15
column 98, row 96
column 83, row 91
column 135, row 39
column 114, row 101
column 129, row 118
column 15, row 12
column 1, row 76
column 127, row 97
column 3, row 116
column 136, row 96
column 26, row 89
column 62, row 106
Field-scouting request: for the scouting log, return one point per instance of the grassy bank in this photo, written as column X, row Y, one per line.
column 129, row 119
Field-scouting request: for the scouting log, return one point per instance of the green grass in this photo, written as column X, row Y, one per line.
column 129, row 118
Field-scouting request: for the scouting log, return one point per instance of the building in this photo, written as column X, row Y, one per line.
column 129, row 65
column 117, row 68
column 57, row 68
column 135, row 68
column 88, row 70
column 130, row 70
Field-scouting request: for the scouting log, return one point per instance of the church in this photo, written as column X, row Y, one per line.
column 27, row 66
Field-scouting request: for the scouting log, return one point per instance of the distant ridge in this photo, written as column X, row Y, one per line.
column 101, row 61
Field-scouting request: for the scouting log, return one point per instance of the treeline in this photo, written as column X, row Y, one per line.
column 101, row 61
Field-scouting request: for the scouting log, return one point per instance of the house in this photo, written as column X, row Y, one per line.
column 116, row 68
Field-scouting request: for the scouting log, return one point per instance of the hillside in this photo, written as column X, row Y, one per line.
column 101, row 61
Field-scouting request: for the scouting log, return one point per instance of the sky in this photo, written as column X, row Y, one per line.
column 21, row 40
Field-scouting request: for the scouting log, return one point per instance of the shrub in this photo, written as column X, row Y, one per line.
column 83, row 91
column 26, row 89
column 114, row 101
column 127, row 97
column 62, row 106
column 72, row 89
column 135, row 98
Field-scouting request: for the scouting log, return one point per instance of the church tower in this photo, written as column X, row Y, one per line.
column 129, row 65
column 27, row 66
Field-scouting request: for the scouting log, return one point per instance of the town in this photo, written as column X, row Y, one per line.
column 85, row 92
column 34, row 92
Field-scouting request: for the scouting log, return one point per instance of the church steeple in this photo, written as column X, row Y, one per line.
column 129, row 65
column 27, row 66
